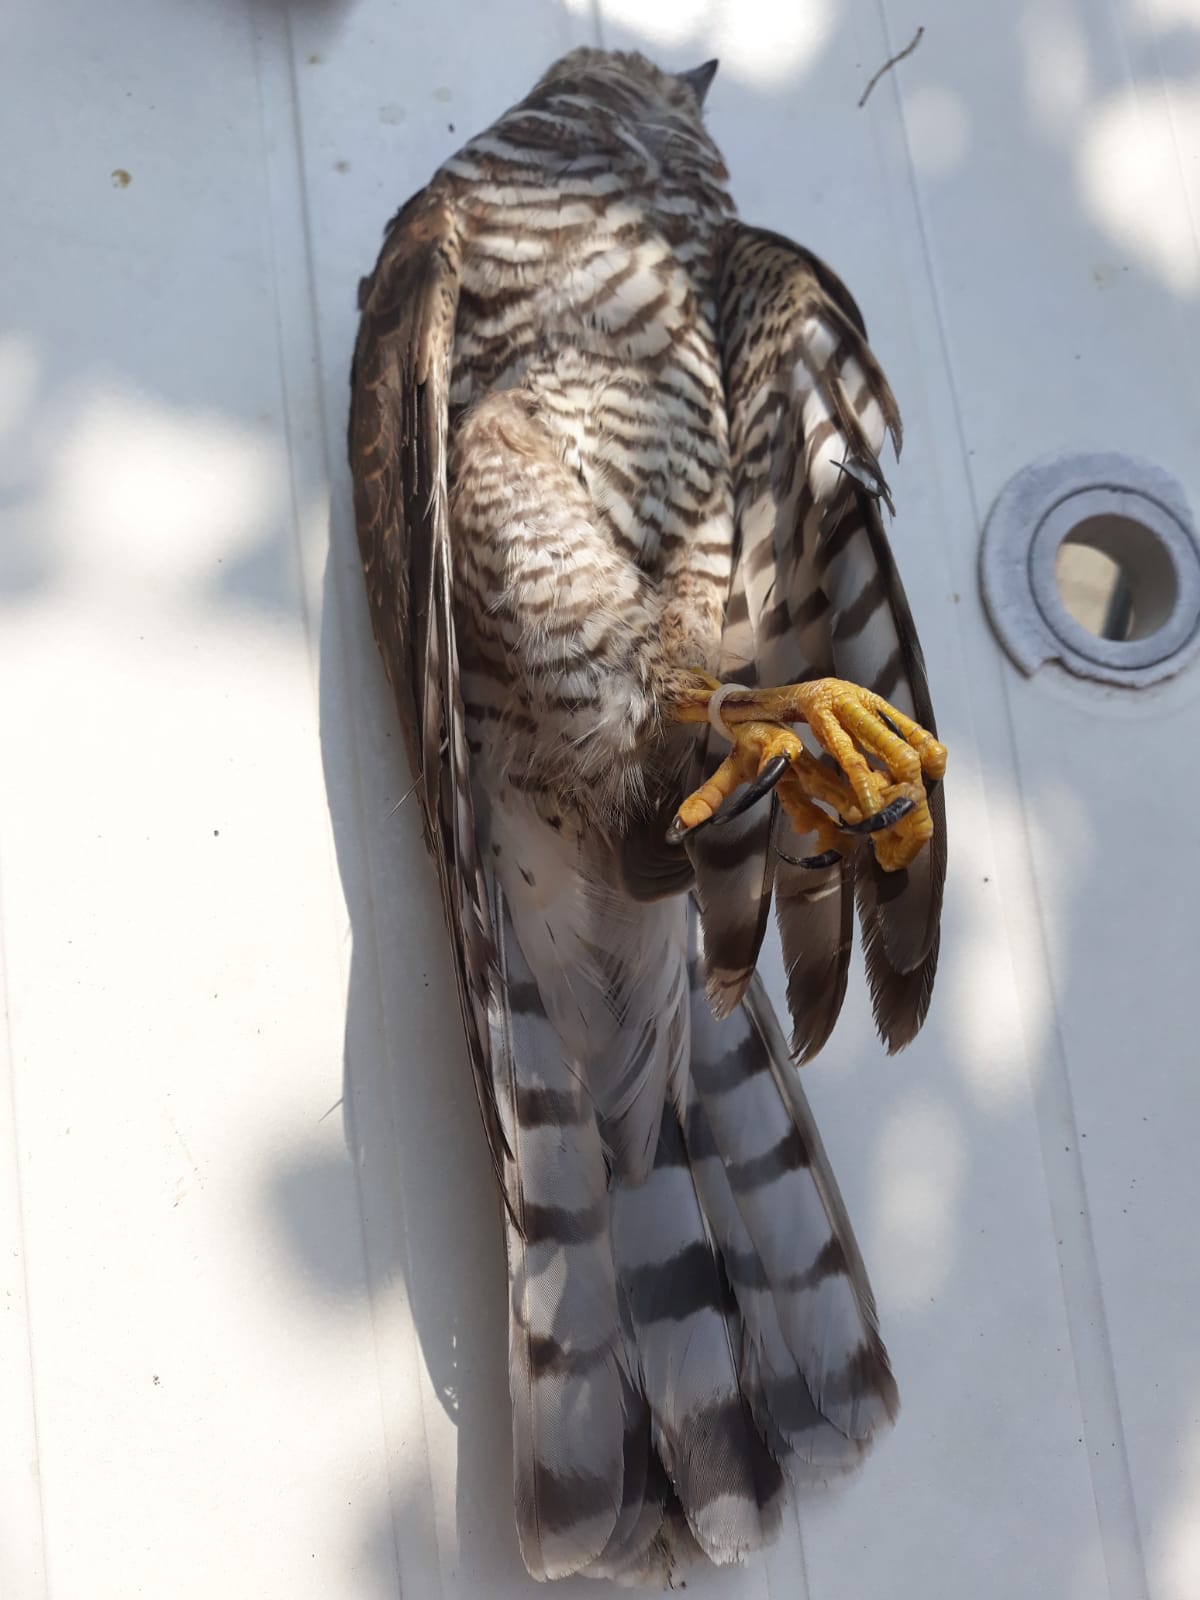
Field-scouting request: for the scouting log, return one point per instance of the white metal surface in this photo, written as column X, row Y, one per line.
column 251, row 1299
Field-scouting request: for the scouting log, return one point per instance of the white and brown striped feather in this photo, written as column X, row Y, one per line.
column 809, row 411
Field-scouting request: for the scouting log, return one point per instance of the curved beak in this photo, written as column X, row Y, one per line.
column 699, row 79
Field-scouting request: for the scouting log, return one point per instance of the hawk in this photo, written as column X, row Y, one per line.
column 617, row 490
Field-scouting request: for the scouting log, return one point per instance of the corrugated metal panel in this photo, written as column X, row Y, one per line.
column 252, row 1326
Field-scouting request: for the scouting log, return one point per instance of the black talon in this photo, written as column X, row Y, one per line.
column 762, row 785
column 825, row 859
column 888, row 723
column 891, row 814
column 679, row 830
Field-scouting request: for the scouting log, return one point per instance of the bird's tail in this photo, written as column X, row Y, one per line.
column 685, row 1349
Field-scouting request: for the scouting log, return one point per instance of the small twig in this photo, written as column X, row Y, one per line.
column 890, row 63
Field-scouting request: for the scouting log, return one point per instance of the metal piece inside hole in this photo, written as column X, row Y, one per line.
column 1115, row 578
column 1093, row 561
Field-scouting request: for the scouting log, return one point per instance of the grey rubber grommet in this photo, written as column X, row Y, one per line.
column 1133, row 512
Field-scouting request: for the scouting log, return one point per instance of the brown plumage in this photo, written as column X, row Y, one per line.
column 609, row 444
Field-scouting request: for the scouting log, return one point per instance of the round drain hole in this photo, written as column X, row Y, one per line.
column 1092, row 561
column 1115, row 578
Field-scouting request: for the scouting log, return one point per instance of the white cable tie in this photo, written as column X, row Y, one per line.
column 717, row 701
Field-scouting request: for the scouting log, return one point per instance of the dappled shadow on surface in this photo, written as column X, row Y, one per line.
column 166, row 477
column 949, row 1127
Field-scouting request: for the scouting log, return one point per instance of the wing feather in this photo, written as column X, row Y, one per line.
column 399, row 422
column 734, row 867
column 876, row 643
column 809, row 410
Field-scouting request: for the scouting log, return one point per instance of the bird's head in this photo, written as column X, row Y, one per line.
column 641, row 90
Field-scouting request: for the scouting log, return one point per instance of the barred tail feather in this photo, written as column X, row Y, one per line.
column 568, row 1369
column 641, row 1547
column 814, row 1368
column 689, row 1352
column 679, row 1346
column 611, row 973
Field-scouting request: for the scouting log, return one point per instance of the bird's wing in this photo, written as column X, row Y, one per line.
column 399, row 421
column 809, row 410
column 548, row 974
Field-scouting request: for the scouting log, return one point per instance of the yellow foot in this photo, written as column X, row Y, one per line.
column 887, row 800
column 762, row 752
